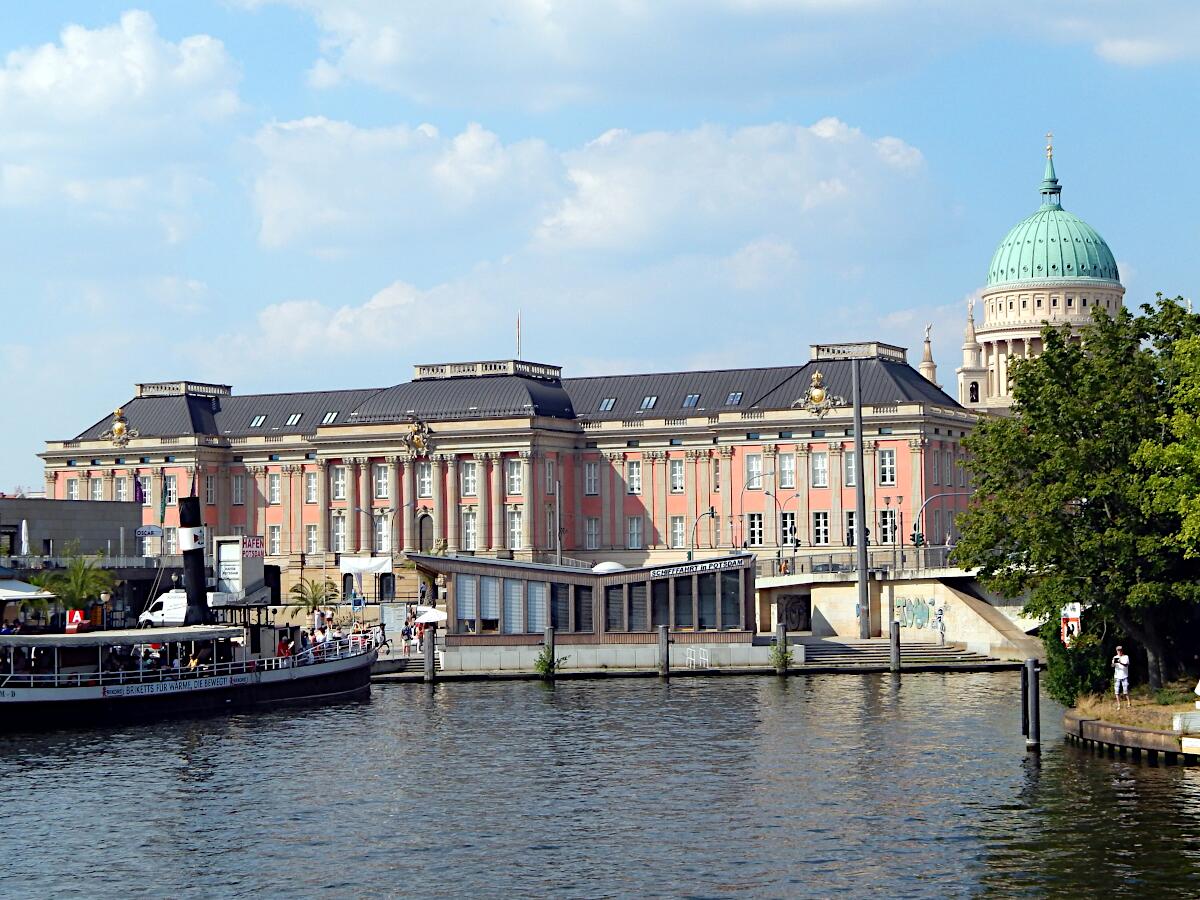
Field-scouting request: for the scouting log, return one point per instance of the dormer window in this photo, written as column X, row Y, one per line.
column 648, row 402
column 257, row 421
column 294, row 419
column 691, row 401
column 607, row 404
column 734, row 399
column 330, row 418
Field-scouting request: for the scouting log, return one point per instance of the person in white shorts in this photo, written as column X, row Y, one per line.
column 1120, row 664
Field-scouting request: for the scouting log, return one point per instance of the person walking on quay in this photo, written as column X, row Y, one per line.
column 1120, row 664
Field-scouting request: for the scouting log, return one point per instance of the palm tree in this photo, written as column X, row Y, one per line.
column 48, row 582
column 36, row 607
column 309, row 595
column 82, row 582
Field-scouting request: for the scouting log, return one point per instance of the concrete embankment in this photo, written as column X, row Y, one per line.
column 1127, row 740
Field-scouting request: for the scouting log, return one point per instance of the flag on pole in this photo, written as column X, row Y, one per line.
column 192, row 489
column 518, row 334
column 162, row 502
column 139, row 495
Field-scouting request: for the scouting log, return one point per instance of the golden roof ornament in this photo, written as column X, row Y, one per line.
column 817, row 399
column 119, row 431
column 417, row 438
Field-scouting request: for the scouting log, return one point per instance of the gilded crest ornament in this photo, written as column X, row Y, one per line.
column 417, row 439
column 119, row 431
column 817, row 399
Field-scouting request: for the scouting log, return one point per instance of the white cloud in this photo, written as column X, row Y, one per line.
column 328, row 182
column 538, row 54
column 113, row 121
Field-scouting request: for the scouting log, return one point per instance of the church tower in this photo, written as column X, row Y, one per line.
column 1051, row 267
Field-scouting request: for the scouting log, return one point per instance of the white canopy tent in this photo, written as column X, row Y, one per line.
column 13, row 591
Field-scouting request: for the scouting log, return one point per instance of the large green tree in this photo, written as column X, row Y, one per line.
column 1064, row 509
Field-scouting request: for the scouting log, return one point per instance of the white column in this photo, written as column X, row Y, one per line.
column 528, row 507
column 322, row 506
column 407, row 463
column 496, row 499
column 453, row 507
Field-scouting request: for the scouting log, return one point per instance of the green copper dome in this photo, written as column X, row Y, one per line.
column 1052, row 245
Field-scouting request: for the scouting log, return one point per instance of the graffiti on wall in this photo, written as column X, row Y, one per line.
column 917, row 612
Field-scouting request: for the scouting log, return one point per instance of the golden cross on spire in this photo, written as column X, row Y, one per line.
column 1049, row 145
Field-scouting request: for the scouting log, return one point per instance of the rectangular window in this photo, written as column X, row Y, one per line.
column 591, row 533
column 754, row 471
column 96, row 489
column 683, row 602
column 560, row 607
column 329, row 418
column 489, row 603
column 887, row 526
column 887, row 467
column 310, row 487
column 310, row 538
column 754, row 529
column 273, row 537
column 787, row 532
column 820, row 470
column 820, row 529
column 237, row 490
column 633, row 477
column 257, row 421
column 273, row 488
column 470, row 479
column 293, row 419
column 339, row 482
column 146, row 485
column 379, row 480
column 514, row 529
column 637, row 607
column 550, row 479
column 147, row 549
column 850, row 529
column 648, row 402
column 850, row 468
column 210, row 490
column 425, row 479
column 633, row 533
column 536, row 597
column 339, row 534
column 380, row 536
column 466, row 590
column 716, row 474
column 171, row 541
column 677, row 532
column 606, row 404
column 512, row 606
column 551, row 528
column 469, row 529
column 676, row 476
column 691, row 401
column 512, row 469
column 787, row 470
column 734, row 399
column 239, row 530
column 949, row 467
column 591, row 478
column 170, row 486
column 936, row 455
column 937, row 535
column 122, row 488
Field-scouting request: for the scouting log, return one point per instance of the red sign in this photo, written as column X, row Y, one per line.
column 74, row 620
column 252, row 545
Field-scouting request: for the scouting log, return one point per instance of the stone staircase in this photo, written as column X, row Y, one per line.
column 844, row 654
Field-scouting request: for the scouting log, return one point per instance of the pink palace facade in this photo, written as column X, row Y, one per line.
column 470, row 458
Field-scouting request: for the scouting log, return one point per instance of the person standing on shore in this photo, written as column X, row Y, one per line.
column 1120, row 664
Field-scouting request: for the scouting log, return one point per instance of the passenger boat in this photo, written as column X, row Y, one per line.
column 64, row 680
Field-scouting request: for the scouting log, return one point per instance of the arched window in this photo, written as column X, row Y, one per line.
column 974, row 392
column 347, row 586
column 387, row 587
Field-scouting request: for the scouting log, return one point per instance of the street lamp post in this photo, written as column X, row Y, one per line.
column 712, row 512
column 758, row 477
column 778, row 528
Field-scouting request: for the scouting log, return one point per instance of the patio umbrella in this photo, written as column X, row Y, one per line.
column 431, row 615
column 24, row 537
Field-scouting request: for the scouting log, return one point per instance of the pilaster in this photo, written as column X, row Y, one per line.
column 453, row 507
column 496, row 487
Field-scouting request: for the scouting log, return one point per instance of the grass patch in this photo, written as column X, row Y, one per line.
column 1150, row 709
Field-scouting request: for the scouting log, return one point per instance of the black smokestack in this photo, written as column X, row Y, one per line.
column 191, row 542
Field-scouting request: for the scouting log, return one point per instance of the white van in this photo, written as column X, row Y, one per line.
column 169, row 610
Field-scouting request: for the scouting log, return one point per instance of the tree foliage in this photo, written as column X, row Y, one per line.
column 80, row 583
column 1066, row 508
column 308, row 595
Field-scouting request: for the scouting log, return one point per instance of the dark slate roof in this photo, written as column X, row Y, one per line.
column 231, row 416
column 468, row 398
column 883, row 382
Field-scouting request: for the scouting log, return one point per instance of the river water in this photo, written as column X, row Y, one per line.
column 706, row 787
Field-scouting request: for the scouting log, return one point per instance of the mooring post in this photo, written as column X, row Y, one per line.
column 1033, row 743
column 895, row 642
column 429, row 655
column 1024, row 702
column 781, row 643
column 664, row 652
column 549, row 642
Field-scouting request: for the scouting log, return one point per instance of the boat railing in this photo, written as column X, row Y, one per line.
column 326, row 651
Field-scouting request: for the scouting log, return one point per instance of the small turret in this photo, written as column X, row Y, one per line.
column 927, row 367
column 970, row 347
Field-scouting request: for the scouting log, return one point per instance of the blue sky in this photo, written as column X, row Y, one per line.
column 311, row 194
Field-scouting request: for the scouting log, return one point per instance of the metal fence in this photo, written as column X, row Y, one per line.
column 886, row 559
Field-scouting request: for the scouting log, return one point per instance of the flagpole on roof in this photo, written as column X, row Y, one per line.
column 518, row 334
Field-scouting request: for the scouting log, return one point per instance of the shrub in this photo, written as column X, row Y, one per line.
column 546, row 664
